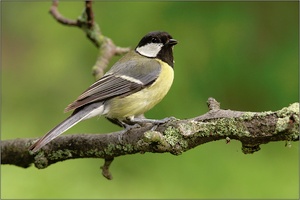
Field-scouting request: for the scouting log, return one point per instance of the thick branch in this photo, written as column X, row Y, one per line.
column 175, row 137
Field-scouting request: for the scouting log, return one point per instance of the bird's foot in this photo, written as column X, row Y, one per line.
column 153, row 121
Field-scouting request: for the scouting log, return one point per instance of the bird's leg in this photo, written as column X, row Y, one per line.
column 127, row 124
column 153, row 121
column 156, row 122
column 115, row 121
column 130, row 123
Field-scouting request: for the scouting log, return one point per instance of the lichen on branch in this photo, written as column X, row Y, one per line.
column 175, row 137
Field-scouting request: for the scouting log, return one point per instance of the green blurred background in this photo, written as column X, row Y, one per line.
column 244, row 54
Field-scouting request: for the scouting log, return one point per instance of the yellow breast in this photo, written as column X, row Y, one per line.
column 143, row 100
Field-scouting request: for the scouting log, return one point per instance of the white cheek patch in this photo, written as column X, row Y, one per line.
column 150, row 50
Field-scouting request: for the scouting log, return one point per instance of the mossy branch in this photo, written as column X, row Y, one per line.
column 175, row 137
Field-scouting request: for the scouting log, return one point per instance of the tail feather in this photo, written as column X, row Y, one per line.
column 77, row 116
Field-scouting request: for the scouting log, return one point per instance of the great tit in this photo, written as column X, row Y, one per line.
column 133, row 85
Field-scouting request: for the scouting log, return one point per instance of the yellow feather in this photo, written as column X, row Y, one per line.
column 142, row 101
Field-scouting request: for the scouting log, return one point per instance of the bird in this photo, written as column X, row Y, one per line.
column 133, row 85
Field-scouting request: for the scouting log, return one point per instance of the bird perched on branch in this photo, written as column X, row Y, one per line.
column 133, row 85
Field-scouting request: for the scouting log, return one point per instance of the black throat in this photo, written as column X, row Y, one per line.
column 166, row 55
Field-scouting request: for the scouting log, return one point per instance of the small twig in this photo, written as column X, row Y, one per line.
column 89, row 13
column 59, row 18
column 86, row 22
column 105, row 168
column 121, row 50
column 213, row 104
column 106, row 52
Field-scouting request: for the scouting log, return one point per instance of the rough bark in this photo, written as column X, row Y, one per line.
column 175, row 137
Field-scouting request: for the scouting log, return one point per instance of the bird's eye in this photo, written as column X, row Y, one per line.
column 155, row 40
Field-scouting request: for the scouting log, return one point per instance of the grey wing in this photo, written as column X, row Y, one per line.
column 119, row 81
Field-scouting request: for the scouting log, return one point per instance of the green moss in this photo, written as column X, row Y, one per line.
column 282, row 124
column 40, row 160
column 247, row 116
column 156, row 137
column 171, row 135
column 266, row 113
column 174, row 138
column 93, row 152
column 109, row 149
column 289, row 120
column 221, row 127
column 194, row 127
column 60, row 154
column 230, row 126
column 247, row 149
column 287, row 111
column 128, row 147
column 152, row 136
column 123, row 148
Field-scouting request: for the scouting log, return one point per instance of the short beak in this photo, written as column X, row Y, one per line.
column 172, row 42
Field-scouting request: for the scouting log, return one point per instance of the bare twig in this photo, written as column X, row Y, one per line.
column 213, row 104
column 86, row 22
column 105, row 168
column 59, row 18
column 89, row 13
